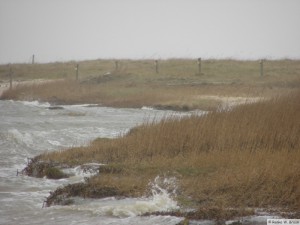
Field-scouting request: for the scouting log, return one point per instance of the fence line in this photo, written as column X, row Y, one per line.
column 162, row 67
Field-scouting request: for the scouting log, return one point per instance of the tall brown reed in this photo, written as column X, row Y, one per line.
column 247, row 156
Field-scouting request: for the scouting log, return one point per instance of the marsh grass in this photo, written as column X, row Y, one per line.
column 247, row 156
column 54, row 173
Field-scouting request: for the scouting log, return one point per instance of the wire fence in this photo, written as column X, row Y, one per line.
column 152, row 67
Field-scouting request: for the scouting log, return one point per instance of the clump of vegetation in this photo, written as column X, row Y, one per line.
column 62, row 196
column 247, row 156
column 111, row 168
column 55, row 173
column 38, row 168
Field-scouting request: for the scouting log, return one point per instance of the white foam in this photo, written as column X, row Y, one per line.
column 55, row 143
column 25, row 138
column 147, row 108
column 35, row 103
column 160, row 200
column 145, row 220
column 81, row 105
column 85, row 170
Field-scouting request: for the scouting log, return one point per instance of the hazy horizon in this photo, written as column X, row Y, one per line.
column 66, row 30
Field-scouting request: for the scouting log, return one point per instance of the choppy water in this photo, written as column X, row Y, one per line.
column 30, row 128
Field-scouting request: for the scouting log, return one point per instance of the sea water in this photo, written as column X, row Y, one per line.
column 28, row 129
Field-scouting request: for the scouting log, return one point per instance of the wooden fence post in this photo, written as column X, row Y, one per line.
column 199, row 66
column 261, row 62
column 32, row 59
column 77, row 70
column 10, row 77
column 156, row 66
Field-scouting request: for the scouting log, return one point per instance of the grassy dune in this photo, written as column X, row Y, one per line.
column 245, row 157
column 136, row 83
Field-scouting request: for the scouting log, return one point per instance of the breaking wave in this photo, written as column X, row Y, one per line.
column 161, row 199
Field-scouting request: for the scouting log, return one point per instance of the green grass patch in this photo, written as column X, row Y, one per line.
column 55, row 173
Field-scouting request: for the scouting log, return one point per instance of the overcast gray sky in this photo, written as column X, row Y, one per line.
column 63, row 30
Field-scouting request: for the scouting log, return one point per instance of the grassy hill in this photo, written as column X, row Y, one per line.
column 177, row 84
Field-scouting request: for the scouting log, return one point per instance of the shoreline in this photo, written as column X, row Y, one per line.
column 210, row 181
column 238, row 156
column 63, row 196
column 224, row 102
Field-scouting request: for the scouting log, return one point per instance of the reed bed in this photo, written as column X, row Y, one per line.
column 246, row 156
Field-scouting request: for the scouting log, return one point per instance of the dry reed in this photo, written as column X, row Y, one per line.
column 247, row 156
